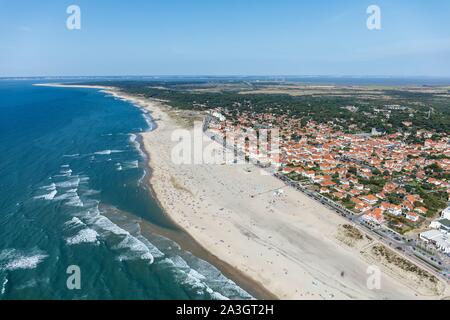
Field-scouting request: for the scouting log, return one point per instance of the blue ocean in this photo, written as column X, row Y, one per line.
column 73, row 192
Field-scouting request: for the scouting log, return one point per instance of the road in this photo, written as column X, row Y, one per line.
column 404, row 246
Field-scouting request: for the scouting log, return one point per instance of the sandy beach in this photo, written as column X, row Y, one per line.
column 288, row 244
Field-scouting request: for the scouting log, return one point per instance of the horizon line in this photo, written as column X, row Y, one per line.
column 234, row 76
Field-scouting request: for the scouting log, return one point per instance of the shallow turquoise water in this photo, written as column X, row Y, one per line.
column 67, row 156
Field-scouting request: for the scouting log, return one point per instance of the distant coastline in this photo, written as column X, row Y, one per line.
column 344, row 80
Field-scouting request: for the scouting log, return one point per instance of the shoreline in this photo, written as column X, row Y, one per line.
column 188, row 243
column 177, row 233
column 270, row 247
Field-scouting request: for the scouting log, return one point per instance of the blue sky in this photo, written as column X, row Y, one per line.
column 225, row 37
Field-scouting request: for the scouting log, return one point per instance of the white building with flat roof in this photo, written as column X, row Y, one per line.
column 437, row 238
column 446, row 214
column 430, row 236
column 442, row 224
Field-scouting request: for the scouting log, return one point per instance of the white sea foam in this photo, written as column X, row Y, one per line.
column 131, row 164
column 33, row 283
column 74, row 222
column 72, row 183
column 50, row 187
column 136, row 144
column 84, row 179
column 107, row 152
column 90, row 192
column 188, row 276
column 130, row 247
column 63, row 175
column 91, row 205
column 179, row 262
column 107, row 225
column 5, row 282
column 148, row 119
column 71, row 197
column 228, row 287
column 134, row 247
column 138, row 248
column 25, row 262
column 144, row 173
column 69, row 194
column 12, row 259
column 48, row 196
column 155, row 252
column 71, row 155
column 84, row 236
column 204, row 277
column 75, row 201
column 64, row 172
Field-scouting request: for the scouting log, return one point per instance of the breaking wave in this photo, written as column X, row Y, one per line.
column 136, row 144
column 131, row 164
column 84, row 236
column 71, row 155
column 5, row 282
column 13, row 259
column 49, row 196
column 107, row 152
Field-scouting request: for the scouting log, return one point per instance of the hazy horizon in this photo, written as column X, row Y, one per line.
column 318, row 80
column 225, row 38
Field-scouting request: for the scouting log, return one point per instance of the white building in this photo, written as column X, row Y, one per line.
column 438, row 238
column 219, row 116
column 412, row 216
column 443, row 244
column 430, row 236
column 375, row 132
column 446, row 214
column 395, row 210
column 443, row 225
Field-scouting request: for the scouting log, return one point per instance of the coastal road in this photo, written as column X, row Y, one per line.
column 388, row 237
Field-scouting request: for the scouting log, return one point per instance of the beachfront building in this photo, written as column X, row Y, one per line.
column 395, row 210
column 442, row 224
column 439, row 239
column 446, row 213
column 439, row 235
column 362, row 172
column 370, row 199
column 411, row 216
column 375, row 216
